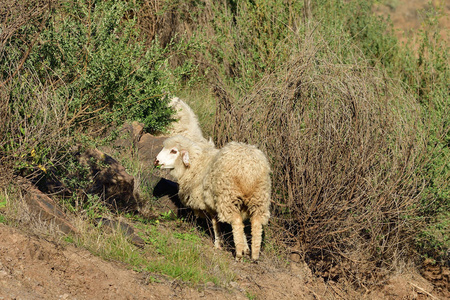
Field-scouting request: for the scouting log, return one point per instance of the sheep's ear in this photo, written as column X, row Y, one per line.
column 185, row 157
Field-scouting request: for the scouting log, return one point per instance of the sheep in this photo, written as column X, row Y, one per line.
column 230, row 185
column 186, row 122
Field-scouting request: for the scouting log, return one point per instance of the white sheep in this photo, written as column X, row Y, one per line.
column 230, row 185
column 186, row 123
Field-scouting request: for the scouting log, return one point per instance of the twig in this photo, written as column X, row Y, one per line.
column 422, row 290
column 336, row 291
column 24, row 58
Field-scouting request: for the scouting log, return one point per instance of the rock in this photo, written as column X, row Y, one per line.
column 295, row 257
column 129, row 135
column 44, row 208
column 148, row 147
column 110, row 179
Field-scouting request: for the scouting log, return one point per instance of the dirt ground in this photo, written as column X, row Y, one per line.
column 408, row 15
column 32, row 267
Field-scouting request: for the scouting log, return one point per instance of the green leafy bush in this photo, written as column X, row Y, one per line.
column 73, row 67
column 95, row 54
column 68, row 71
column 102, row 59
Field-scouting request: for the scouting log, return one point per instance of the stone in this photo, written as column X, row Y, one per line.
column 129, row 135
column 110, row 180
column 47, row 210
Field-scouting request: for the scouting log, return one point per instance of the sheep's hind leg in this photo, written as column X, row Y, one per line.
column 256, row 237
column 246, row 247
column 239, row 236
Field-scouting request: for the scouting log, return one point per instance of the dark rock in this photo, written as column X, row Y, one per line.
column 148, row 147
column 47, row 210
column 110, row 180
column 129, row 135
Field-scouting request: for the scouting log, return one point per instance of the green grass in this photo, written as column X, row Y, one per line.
column 2, row 208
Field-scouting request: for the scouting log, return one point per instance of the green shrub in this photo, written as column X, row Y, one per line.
column 68, row 71
column 426, row 72
column 73, row 67
column 101, row 57
column 95, row 54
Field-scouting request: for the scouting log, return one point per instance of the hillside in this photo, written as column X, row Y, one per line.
column 352, row 115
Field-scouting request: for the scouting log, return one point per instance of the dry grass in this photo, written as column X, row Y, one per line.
column 33, row 119
column 34, row 127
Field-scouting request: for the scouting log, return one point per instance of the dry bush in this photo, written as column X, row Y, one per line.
column 173, row 22
column 169, row 20
column 14, row 14
column 343, row 143
column 35, row 127
column 19, row 100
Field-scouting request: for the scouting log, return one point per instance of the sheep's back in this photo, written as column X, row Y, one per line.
column 187, row 123
column 239, row 170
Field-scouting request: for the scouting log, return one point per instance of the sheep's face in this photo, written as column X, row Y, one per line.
column 169, row 158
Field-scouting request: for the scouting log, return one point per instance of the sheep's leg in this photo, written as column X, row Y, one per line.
column 256, row 237
column 246, row 247
column 239, row 236
column 217, row 236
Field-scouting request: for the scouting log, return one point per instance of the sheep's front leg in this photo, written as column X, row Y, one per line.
column 217, row 236
column 238, row 236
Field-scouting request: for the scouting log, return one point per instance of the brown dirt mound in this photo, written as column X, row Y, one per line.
column 34, row 268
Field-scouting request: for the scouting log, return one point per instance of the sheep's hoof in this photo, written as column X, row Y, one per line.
column 255, row 261
column 240, row 254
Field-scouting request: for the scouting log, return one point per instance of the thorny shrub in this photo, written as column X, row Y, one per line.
column 343, row 141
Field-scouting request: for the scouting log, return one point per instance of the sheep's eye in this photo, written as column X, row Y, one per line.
column 173, row 151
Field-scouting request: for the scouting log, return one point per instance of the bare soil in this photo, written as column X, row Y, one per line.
column 33, row 267
column 408, row 15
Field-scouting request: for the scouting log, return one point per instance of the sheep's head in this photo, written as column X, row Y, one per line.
column 167, row 158
column 175, row 155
